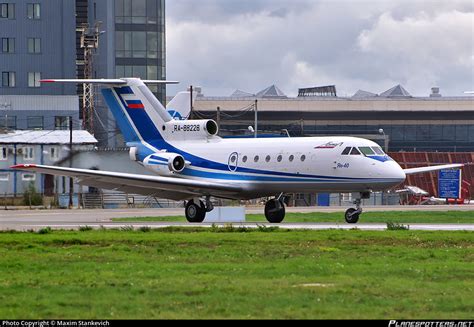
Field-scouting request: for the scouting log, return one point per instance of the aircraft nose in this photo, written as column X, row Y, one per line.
column 398, row 173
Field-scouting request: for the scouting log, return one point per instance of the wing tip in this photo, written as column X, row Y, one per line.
column 22, row 166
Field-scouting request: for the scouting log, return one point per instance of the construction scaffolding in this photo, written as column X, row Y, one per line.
column 89, row 43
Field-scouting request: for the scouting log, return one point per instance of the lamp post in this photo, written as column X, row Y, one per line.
column 385, row 139
column 256, row 118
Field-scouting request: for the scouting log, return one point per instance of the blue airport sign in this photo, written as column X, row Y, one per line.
column 449, row 184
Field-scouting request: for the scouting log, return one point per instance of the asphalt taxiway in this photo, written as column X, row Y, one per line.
column 22, row 220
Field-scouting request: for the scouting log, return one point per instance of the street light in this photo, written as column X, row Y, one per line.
column 385, row 140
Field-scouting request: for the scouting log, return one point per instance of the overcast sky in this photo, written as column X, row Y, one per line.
column 223, row 45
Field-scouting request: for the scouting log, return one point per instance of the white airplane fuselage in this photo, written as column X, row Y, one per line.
column 268, row 166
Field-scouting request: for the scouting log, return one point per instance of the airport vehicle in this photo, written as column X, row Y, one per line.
column 193, row 164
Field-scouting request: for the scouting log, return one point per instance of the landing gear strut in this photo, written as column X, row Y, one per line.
column 352, row 214
column 275, row 211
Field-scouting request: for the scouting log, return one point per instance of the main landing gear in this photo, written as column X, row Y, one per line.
column 352, row 214
column 275, row 210
column 196, row 212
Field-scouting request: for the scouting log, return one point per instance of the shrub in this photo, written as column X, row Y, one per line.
column 45, row 230
column 395, row 226
column 31, row 196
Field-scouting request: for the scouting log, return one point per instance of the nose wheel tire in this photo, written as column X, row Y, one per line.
column 195, row 213
column 275, row 211
column 352, row 216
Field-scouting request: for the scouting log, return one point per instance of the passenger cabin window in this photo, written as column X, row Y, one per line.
column 355, row 152
column 378, row 150
column 346, row 151
column 256, row 158
column 244, row 159
column 366, row 150
column 291, row 158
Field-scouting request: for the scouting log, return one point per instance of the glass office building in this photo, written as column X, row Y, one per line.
column 140, row 41
column 132, row 44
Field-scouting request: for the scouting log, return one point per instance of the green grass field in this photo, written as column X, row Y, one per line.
column 453, row 217
column 236, row 273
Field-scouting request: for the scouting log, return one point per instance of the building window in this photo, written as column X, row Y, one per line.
column 129, row 71
column 34, row 45
column 28, row 153
column 54, row 153
column 7, row 10
column 8, row 45
column 8, row 79
column 35, row 122
column 133, row 12
column 33, row 11
column 28, row 177
column 34, row 79
column 4, row 153
column 4, row 177
column 61, row 122
column 8, row 122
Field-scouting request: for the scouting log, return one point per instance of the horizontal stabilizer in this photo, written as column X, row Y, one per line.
column 104, row 81
column 418, row 170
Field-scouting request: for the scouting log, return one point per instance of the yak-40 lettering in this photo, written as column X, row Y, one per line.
column 193, row 164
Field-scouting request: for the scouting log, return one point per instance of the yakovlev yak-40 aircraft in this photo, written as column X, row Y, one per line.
column 193, row 164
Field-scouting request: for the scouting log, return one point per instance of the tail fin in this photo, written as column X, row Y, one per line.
column 180, row 106
column 138, row 113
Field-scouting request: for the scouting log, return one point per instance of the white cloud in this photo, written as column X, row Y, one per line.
column 225, row 45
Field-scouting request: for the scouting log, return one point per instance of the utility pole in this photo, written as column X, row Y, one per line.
column 191, row 102
column 71, row 185
column 256, row 118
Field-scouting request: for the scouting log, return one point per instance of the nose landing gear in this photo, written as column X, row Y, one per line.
column 352, row 214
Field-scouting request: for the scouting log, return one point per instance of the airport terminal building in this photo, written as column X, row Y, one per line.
column 394, row 119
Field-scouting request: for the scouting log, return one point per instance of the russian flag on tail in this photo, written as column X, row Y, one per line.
column 135, row 104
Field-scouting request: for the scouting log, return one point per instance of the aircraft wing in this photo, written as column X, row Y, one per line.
column 411, row 171
column 166, row 187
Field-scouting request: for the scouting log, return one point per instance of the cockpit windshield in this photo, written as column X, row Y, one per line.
column 366, row 150
column 363, row 150
column 378, row 150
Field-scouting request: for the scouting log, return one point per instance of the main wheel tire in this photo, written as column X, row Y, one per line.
column 195, row 213
column 275, row 211
column 351, row 216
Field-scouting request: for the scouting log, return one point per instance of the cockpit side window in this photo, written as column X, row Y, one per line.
column 366, row 150
column 355, row 151
column 346, row 151
column 378, row 150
